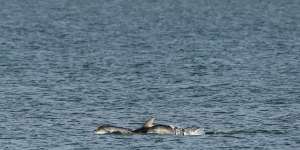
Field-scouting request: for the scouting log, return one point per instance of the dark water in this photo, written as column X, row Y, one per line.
column 232, row 67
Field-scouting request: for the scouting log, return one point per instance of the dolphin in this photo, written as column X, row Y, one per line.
column 148, row 124
column 161, row 129
column 169, row 129
column 109, row 129
column 150, row 127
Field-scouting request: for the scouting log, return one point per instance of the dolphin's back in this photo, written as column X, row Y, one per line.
column 158, row 128
column 104, row 129
column 161, row 129
column 140, row 130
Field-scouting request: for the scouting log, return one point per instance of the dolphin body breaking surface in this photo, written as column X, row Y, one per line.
column 108, row 129
column 150, row 128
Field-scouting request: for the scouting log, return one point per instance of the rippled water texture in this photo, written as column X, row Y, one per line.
column 231, row 67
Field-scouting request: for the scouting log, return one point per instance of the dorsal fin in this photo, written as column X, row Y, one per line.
column 149, row 123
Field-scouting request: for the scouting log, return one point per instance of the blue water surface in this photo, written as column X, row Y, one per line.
column 231, row 67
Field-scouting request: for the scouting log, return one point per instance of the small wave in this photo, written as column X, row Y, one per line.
column 246, row 131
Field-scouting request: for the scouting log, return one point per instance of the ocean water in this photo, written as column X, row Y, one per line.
column 231, row 67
